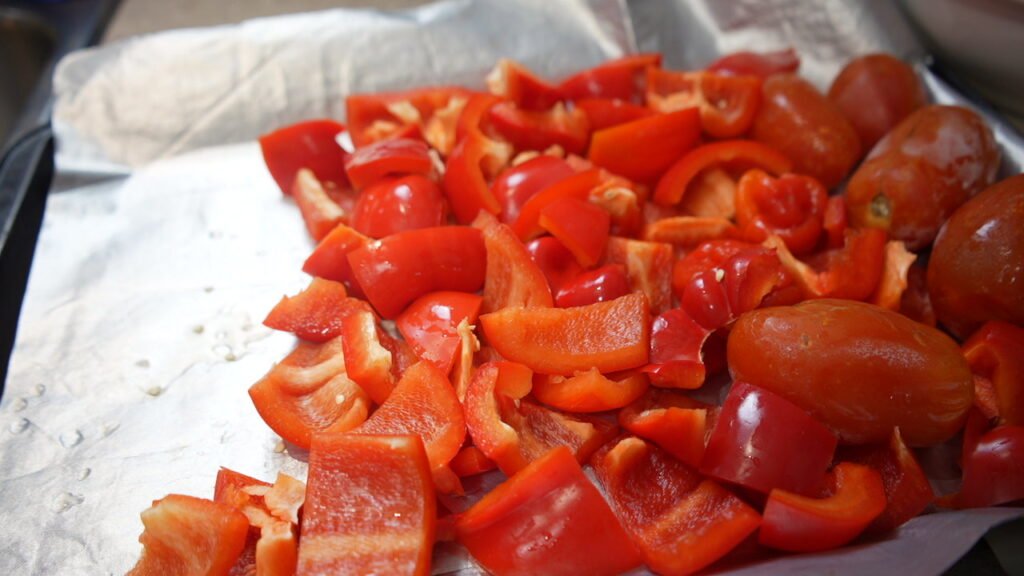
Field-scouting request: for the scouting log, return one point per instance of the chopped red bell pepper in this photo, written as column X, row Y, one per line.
column 312, row 144
column 589, row 391
column 513, row 279
column 330, row 258
column 644, row 149
column 834, row 221
column 541, row 129
column 351, row 475
column 707, row 256
column 689, row 231
column 678, row 424
column 672, row 185
column 394, row 205
column 994, row 469
column 367, row 362
column 582, row 227
column 676, row 360
column 648, row 267
column 762, row 64
column 233, row 488
column 727, row 104
column 471, row 461
column 517, row 184
column 409, row 114
column 396, row 270
column 620, row 79
column 547, row 519
column 896, row 264
column 791, row 207
column 598, row 285
column 319, row 212
column 851, row 272
column 996, row 353
column 680, row 521
column 555, row 261
column 527, row 225
column 430, row 325
column 394, row 157
column 763, row 441
column 609, row 336
column 514, row 82
column 803, row 524
column 316, row 313
column 605, row 113
column 465, row 182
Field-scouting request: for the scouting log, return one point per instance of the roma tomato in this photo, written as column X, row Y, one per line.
column 975, row 272
column 860, row 369
column 517, row 184
column 395, row 205
column 810, row 130
column 763, row 64
column 921, row 171
column 313, row 145
column 875, row 92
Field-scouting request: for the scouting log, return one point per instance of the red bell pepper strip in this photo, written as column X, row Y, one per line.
column 512, row 279
column 678, row 424
column 763, row 441
column 395, row 205
column 473, row 118
column 589, row 391
column 312, row 144
column 727, row 104
column 299, row 396
column 993, row 470
column 465, row 183
column 409, row 114
column 609, row 336
column 672, row 185
column 233, row 489
column 707, row 256
column 791, row 207
column 272, row 543
column 423, row 404
column 539, row 130
column 676, row 360
column 598, row 285
column 394, row 157
column 851, row 272
column 471, row 461
column 516, row 83
column 430, row 325
column 801, row 524
column 689, row 231
column 367, row 362
column 834, row 221
column 517, row 184
column 555, row 261
column 350, row 475
column 547, row 519
column 907, row 490
column 648, row 267
column 996, row 353
column 527, row 225
column 315, row 314
column 762, row 64
column 644, row 149
column 605, row 113
column 396, row 270
column 319, row 212
column 621, row 79
column 582, row 227
column 186, row 535
column 330, row 258
column 896, row 264
column 680, row 521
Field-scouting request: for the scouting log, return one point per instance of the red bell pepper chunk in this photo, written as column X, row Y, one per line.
column 907, row 490
column 186, row 535
column 762, row 64
column 993, row 470
column 312, row 144
column 672, row 185
column 676, row 359
column 791, row 207
column 763, row 441
column 996, row 353
column 316, row 313
column 471, row 461
column 465, row 181
column 801, row 524
column 852, row 272
column 539, row 130
column 555, row 261
column 547, row 519
column 367, row 362
column 232, row 488
column 320, row 213
column 299, row 396
column 620, row 79
column 609, row 336
column 473, row 118
column 727, row 104
column 895, row 277
column 517, row 184
column 395, row 205
column 582, row 227
column 396, row 270
column 834, row 221
column 423, row 404
column 598, row 285
column 330, row 258
column 648, row 267
column 409, row 114
column 644, row 149
column 512, row 278
column 589, row 391
column 706, row 256
column 687, row 232
column 272, row 510
column 680, row 521
column 578, row 186
column 351, row 476
column 430, row 325
column 394, row 157
column 678, row 424
column 516, row 83
column 605, row 113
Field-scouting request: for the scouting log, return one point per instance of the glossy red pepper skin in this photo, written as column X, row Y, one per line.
column 605, row 113
column 539, row 130
column 763, row 64
column 673, row 184
column 394, row 157
column 791, row 207
column 394, row 205
column 597, row 285
column 644, row 149
column 311, row 144
column 727, row 103
column 517, row 184
column 994, row 469
column 621, row 79
column 554, row 260
column 430, row 325
column 996, row 353
column 329, row 259
column 581, row 226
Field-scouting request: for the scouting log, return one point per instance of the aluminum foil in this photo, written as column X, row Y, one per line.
column 165, row 243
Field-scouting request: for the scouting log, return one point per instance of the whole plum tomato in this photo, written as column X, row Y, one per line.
column 875, row 92
column 800, row 122
column 976, row 271
column 921, row 171
column 858, row 368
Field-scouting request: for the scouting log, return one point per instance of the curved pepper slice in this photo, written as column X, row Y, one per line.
column 471, row 461
column 852, row 272
column 648, row 267
column 578, row 187
column 546, row 519
column 678, row 424
column 605, row 113
column 396, row 270
column 727, row 104
column 538, row 130
column 895, row 277
column 582, row 227
column 676, row 360
column 513, row 279
column 598, row 285
column 430, row 325
column 993, row 469
column 996, row 353
column 763, row 64
column 791, row 207
column 312, row 144
column 320, row 213
column 397, row 156
column 620, row 79
column 315, row 314
column 409, row 114
column 672, row 185
column 516, row 83
column 350, row 475
column 609, row 336
column 465, row 181
column 329, row 259
column 589, row 391
column 801, row 524
column 680, row 521
column 517, row 184
column 689, row 231
column 554, row 260
column 367, row 362
column 644, row 149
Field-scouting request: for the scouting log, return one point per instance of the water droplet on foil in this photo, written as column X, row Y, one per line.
column 71, row 439
column 19, row 426
column 109, row 428
column 85, row 472
column 19, row 405
column 66, row 501
column 40, row 389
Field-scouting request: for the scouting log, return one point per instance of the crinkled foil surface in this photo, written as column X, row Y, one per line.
column 165, row 242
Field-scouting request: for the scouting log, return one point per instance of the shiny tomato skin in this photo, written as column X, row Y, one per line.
column 921, row 171
column 810, row 130
column 860, row 369
column 875, row 92
column 517, row 184
column 397, row 204
column 976, row 270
